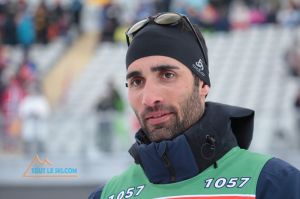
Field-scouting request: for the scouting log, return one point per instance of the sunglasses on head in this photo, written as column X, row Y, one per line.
column 168, row 18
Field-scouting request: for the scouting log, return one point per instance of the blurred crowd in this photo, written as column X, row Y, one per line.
column 25, row 24
column 210, row 15
column 23, row 106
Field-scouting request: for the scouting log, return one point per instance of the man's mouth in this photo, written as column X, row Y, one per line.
column 158, row 117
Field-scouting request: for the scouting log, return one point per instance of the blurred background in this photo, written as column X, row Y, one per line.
column 62, row 75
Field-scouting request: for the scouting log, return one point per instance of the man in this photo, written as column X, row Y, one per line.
column 186, row 147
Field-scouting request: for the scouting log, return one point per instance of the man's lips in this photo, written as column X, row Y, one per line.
column 157, row 117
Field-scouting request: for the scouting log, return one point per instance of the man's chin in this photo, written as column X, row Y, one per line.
column 159, row 134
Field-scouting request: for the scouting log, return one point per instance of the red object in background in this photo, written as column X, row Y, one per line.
column 10, row 101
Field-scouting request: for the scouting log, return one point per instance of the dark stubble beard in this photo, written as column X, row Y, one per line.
column 191, row 110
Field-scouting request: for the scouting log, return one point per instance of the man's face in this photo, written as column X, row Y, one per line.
column 164, row 97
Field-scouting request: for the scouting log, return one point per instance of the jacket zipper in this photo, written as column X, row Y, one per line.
column 169, row 167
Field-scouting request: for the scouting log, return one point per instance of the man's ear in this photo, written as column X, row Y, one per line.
column 203, row 89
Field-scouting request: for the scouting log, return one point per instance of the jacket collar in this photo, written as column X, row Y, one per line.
column 221, row 128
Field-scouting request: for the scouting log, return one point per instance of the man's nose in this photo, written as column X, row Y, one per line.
column 151, row 95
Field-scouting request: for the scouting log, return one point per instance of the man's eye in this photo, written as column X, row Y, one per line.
column 168, row 75
column 136, row 82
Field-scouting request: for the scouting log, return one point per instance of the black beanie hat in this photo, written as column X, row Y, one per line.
column 174, row 41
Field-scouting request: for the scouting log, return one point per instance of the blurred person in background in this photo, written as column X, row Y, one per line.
column 9, row 26
column 42, row 22
column 289, row 16
column 53, row 29
column 59, row 21
column 222, row 21
column 76, row 12
column 199, row 12
column 27, row 72
column 33, row 112
column 188, row 147
column 271, row 8
column 110, row 20
column 239, row 15
column 108, row 107
column 11, row 98
column 25, row 28
column 210, row 15
column 214, row 16
column 292, row 57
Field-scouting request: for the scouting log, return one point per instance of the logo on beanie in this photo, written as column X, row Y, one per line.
column 198, row 66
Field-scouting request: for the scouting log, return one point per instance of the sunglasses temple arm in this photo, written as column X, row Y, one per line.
column 127, row 39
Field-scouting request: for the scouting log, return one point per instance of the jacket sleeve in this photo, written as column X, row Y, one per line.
column 96, row 194
column 278, row 180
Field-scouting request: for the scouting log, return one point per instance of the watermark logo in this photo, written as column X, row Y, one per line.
column 45, row 168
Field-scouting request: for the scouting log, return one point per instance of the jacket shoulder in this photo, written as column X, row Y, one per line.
column 96, row 194
column 278, row 179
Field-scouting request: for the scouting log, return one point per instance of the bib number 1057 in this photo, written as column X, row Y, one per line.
column 228, row 183
column 128, row 193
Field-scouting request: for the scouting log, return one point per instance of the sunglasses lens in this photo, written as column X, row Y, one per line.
column 168, row 18
column 137, row 27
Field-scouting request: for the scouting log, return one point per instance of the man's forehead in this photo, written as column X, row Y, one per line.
column 150, row 62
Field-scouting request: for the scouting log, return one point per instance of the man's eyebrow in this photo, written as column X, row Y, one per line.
column 153, row 69
column 132, row 74
column 163, row 67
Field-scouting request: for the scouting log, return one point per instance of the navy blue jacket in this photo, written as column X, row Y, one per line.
column 221, row 128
